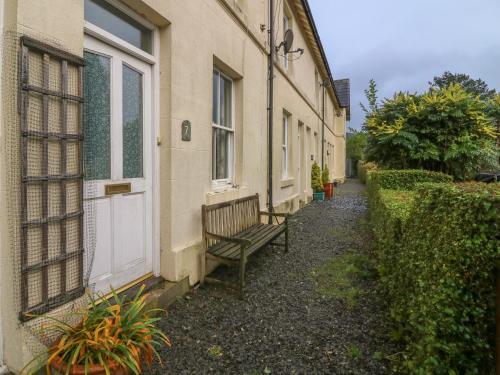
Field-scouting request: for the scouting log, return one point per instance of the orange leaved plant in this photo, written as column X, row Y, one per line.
column 117, row 338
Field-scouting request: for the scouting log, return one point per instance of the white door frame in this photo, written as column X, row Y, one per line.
column 152, row 59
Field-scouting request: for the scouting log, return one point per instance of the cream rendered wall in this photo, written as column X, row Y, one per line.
column 197, row 39
column 62, row 28
column 34, row 18
column 193, row 37
column 296, row 91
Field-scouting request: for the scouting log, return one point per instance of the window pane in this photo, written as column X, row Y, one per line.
column 220, row 168
column 284, row 162
column 283, row 133
column 215, row 97
column 132, row 123
column 97, row 115
column 228, row 96
column 222, row 102
column 214, row 153
column 105, row 16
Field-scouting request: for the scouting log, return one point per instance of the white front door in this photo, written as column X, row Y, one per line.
column 118, row 165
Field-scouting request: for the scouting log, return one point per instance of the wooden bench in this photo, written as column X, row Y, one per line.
column 233, row 231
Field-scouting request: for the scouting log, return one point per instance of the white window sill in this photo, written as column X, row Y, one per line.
column 221, row 187
column 225, row 193
column 286, row 182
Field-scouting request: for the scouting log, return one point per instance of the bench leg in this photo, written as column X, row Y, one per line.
column 243, row 262
column 203, row 267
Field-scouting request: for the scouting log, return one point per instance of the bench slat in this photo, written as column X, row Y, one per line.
column 270, row 236
column 260, row 235
column 221, row 248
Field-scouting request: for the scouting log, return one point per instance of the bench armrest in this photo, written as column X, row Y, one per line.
column 276, row 215
column 239, row 241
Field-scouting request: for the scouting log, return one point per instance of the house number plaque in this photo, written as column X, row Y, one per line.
column 186, row 130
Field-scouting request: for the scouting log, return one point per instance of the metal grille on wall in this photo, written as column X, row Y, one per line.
column 51, row 117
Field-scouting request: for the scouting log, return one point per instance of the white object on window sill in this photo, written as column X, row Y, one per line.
column 226, row 193
column 220, row 187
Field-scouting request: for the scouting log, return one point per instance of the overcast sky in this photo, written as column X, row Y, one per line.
column 403, row 44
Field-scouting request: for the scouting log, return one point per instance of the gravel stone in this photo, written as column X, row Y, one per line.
column 285, row 325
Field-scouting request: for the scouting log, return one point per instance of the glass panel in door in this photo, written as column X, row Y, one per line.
column 132, row 100
column 97, row 115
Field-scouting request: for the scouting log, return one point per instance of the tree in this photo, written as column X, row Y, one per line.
column 475, row 87
column 445, row 129
column 370, row 111
column 493, row 112
column 371, row 97
column 356, row 144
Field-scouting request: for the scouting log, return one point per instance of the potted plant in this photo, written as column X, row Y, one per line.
column 119, row 338
column 317, row 186
column 327, row 185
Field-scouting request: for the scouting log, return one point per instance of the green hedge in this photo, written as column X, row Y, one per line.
column 405, row 179
column 389, row 210
column 436, row 250
column 363, row 169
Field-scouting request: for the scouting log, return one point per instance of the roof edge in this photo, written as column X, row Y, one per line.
column 310, row 17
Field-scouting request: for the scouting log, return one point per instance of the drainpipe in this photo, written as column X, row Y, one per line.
column 323, row 128
column 324, row 84
column 270, row 80
column 3, row 368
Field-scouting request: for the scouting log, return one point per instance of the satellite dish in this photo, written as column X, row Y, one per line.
column 288, row 42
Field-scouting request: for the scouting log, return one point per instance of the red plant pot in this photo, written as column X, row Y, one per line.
column 60, row 367
column 328, row 187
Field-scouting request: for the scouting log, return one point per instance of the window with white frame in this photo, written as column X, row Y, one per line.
column 222, row 129
column 284, row 146
column 286, row 25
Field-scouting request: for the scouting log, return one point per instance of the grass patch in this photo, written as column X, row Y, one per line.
column 215, row 351
column 340, row 277
column 355, row 352
column 378, row 356
column 341, row 232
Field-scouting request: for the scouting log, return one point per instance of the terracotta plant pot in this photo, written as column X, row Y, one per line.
column 60, row 368
column 328, row 187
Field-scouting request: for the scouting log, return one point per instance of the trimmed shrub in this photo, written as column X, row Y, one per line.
column 389, row 210
column 364, row 168
column 316, row 184
column 437, row 249
column 387, row 183
column 405, row 179
column 325, row 175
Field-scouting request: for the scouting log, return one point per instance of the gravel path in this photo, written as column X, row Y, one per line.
column 288, row 323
